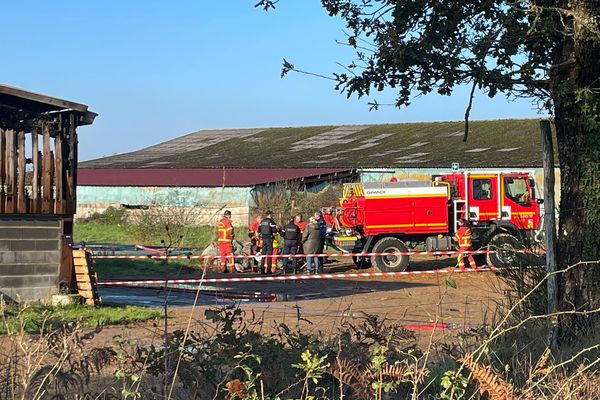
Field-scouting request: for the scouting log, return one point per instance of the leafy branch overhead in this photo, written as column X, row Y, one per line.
column 423, row 46
column 287, row 67
column 266, row 4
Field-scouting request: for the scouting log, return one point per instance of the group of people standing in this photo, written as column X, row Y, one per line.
column 299, row 237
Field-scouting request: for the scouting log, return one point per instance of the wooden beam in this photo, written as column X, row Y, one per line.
column 21, row 193
column 72, row 167
column 58, row 168
column 35, row 182
column 41, row 98
column 52, row 173
column 65, row 273
column 40, row 159
column 46, row 173
column 11, row 171
column 2, row 170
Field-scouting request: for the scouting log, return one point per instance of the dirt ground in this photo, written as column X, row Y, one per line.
column 320, row 306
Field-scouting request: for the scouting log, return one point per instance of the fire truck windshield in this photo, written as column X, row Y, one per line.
column 516, row 189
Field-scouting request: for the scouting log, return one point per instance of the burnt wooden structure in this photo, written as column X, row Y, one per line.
column 38, row 181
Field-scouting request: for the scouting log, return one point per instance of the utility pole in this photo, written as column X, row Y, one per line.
column 550, row 233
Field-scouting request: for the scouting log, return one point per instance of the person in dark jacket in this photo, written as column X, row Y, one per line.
column 267, row 230
column 299, row 220
column 311, row 241
column 322, row 236
column 291, row 238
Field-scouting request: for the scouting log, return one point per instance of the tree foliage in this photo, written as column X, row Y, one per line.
column 436, row 45
column 424, row 46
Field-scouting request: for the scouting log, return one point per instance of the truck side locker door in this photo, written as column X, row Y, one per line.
column 483, row 197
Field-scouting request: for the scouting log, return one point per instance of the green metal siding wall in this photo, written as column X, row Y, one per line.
column 168, row 196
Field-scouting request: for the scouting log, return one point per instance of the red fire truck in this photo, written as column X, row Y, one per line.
column 399, row 216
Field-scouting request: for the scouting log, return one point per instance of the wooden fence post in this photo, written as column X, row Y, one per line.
column 550, row 232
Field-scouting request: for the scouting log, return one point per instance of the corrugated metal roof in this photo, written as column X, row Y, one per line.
column 406, row 145
column 200, row 176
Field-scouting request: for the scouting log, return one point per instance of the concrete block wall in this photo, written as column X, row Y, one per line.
column 29, row 257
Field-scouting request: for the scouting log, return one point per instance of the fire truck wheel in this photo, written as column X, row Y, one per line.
column 362, row 262
column 390, row 263
column 505, row 246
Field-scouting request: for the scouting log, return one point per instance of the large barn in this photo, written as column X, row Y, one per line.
column 212, row 169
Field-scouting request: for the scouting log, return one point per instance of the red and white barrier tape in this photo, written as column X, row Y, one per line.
column 301, row 277
column 398, row 253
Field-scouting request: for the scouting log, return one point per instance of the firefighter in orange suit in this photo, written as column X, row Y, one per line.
column 255, row 240
column 253, row 231
column 463, row 237
column 226, row 235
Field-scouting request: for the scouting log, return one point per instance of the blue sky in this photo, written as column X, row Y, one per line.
column 155, row 70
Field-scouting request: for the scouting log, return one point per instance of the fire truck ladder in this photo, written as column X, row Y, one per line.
column 460, row 211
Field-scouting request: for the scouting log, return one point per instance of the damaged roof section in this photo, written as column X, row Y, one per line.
column 496, row 143
column 19, row 108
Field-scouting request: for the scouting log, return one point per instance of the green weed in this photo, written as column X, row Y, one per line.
column 110, row 216
column 36, row 318
column 143, row 267
column 103, row 233
column 93, row 232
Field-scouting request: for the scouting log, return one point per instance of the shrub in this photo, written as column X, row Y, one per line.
column 307, row 203
column 274, row 198
column 110, row 216
column 288, row 363
column 159, row 221
column 288, row 200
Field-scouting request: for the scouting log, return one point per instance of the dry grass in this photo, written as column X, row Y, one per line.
column 489, row 380
column 236, row 354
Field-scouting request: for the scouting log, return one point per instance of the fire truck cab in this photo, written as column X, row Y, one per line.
column 383, row 217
